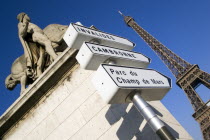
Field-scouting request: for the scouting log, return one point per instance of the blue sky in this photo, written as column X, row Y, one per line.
column 183, row 26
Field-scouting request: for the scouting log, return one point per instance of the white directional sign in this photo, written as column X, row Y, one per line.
column 90, row 56
column 114, row 83
column 77, row 34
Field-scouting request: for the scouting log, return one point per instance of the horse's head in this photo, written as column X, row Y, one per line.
column 10, row 82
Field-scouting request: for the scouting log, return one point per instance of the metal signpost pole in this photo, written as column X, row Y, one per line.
column 155, row 123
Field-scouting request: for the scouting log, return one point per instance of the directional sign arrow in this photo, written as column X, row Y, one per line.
column 77, row 34
column 114, row 83
column 90, row 56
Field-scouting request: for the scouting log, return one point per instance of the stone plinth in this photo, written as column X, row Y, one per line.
column 63, row 104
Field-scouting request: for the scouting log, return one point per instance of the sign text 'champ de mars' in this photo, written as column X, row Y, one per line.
column 136, row 77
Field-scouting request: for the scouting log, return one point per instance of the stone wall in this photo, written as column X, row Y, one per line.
column 73, row 110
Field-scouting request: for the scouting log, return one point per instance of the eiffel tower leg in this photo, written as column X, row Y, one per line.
column 205, row 79
column 205, row 124
column 202, row 111
column 202, row 116
column 193, row 97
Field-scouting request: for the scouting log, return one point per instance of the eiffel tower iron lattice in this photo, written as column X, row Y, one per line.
column 188, row 76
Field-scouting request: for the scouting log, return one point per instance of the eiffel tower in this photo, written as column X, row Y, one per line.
column 188, row 76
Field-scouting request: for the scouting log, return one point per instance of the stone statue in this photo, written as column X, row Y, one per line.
column 26, row 30
column 41, row 47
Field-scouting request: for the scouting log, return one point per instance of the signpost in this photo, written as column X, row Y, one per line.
column 115, row 83
column 77, row 34
column 91, row 55
column 120, row 84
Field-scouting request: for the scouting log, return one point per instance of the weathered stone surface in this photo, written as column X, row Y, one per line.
column 72, row 109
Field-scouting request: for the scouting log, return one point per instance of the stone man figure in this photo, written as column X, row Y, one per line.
column 29, row 34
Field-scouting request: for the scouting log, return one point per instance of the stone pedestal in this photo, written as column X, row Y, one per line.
column 63, row 104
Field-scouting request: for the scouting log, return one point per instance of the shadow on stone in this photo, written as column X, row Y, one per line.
column 131, row 120
column 118, row 110
column 131, row 123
